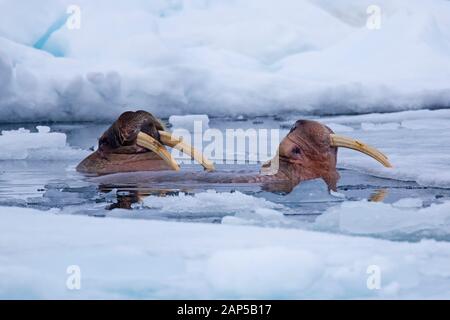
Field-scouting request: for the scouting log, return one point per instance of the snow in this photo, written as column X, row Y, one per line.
column 22, row 144
column 210, row 201
column 221, row 58
column 122, row 258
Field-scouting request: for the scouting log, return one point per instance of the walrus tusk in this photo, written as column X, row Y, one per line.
column 174, row 142
column 345, row 142
column 146, row 141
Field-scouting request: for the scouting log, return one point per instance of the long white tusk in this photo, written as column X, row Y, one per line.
column 146, row 141
column 345, row 142
column 174, row 142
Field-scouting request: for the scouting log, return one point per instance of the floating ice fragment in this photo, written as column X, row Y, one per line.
column 408, row 203
column 209, row 202
column 401, row 220
column 43, row 129
column 23, row 144
column 369, row 126
column 190, row 122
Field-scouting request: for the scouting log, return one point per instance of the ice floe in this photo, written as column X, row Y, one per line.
column 189, row 122
column 405, row 219
column 22, row 144
column 208, row 202
column 122, row 258
column 221, row 58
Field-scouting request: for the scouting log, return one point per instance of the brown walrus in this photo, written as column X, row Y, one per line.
column 135, row 145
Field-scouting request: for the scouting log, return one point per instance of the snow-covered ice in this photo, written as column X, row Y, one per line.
column 23, row 144
column 405, row 219
column 189, row 122
column 208, row 201
column 221, row 58
column 120, row 258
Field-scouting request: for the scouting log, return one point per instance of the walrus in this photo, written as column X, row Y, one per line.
column 133, row 150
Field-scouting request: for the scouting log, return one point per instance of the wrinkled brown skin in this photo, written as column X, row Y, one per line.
column 304, row 154
column 117, row 150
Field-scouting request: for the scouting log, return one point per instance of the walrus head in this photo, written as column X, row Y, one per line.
column 136, row 142
column 309, row 151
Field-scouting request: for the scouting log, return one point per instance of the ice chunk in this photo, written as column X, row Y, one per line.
column 208, row 202
column 190, row 122
column 401, row 220
column 43, row 129
column 408, row 203
column 379, row 126
column 22, row 144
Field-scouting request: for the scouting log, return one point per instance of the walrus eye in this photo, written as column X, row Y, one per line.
column 292, row 128
column 296, row 150
column 102, row 142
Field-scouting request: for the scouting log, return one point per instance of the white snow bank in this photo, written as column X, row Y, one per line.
column 406, row 217
column 120, row 258
column 221, row 57
column 22, row 144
